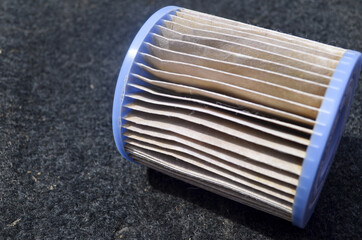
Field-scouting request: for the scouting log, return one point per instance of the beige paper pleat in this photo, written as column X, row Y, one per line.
column 206, row 174
column 170, row 167
column 243, row 70
column 260, row 38
column 240, row 122
column 234, row 91
column 233, row 79
column 194, row 158
column 247, row 50
column 239, row 114
column 229, row 171
column 184, row 89
column 266, row 46
column 230, row 24
column 219, row 54
column 223, row 126
column 252, row 151
column 247, row 168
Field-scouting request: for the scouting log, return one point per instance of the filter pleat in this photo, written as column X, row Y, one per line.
column 196, row 159
column 223, row 55
column 152, row 160
column 238, row 112
column 180, row 67
column 233, row 91
column 261, row 45
column 239, row 122
column 227, row 23
column 247, row 50
column 198, row 132
column 248, row 35
column 265, row 174
column 240, row 69
column 219, row 124
column 234, row 101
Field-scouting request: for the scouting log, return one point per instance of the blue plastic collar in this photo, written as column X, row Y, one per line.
column 326, row 136
column 123, row 77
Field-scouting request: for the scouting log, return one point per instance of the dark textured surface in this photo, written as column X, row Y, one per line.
column 60, row 173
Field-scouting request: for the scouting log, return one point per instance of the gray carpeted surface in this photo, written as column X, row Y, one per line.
column 60, row 173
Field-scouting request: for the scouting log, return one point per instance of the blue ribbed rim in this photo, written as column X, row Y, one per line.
column 119, row 100
column 326, row 136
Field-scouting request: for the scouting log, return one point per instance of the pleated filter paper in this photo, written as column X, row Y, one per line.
column 248, row 113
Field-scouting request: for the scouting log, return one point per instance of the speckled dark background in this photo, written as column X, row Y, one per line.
column 60, row 173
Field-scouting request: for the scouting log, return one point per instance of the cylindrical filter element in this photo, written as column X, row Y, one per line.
column 251, row 114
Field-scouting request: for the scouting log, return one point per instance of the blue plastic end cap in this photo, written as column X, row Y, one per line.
column 119, row 100
column 326, row 136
